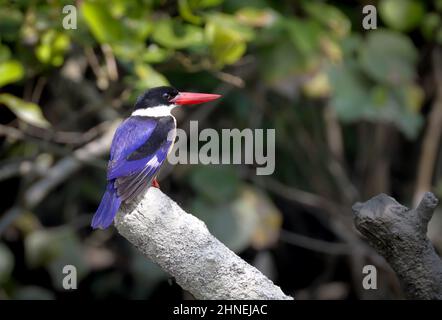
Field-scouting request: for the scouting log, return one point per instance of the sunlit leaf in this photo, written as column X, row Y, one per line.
column 230, row 22
column 5, row 53
column 186, row 12
column 268, row 219
column 52, row 48
column 149, row 77
column 176, row 35
column 330, row 16
column 226, row 46
column 256, row 17
column 139, row 28
column 331, row 49
column 26, row 111
column 402, row 15
column 40, row 248
column 227, row 38
column 103, row 26
column 317, row 86
column 27, row 222
column 205, row 3
column 129, row 52
column 155, row 54
column 414, row 97
column 10, row 71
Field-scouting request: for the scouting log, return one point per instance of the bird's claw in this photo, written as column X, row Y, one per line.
column 155, row 183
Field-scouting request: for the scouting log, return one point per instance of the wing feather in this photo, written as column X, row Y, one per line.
column 130, row 136
column 132, row 169
column 129, row 187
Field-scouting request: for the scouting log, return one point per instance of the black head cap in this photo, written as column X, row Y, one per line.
column 159, row 96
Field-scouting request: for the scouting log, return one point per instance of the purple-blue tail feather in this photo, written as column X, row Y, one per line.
column 110, row 203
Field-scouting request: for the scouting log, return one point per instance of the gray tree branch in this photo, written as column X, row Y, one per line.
column 399, row 235
column 182, row 245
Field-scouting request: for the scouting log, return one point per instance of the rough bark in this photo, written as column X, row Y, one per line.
column 182, row 245
column 399, row 235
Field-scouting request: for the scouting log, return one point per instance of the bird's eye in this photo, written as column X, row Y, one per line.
column 166, row 96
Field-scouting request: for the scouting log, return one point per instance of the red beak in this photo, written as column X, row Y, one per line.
column 193, row 98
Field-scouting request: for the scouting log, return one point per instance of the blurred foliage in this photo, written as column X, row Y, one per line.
column 378, row 78
column 280, row 64
column 402, row 15
column 6, row 263
column 26, row 111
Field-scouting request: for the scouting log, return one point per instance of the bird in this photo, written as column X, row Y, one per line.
column 140, row 147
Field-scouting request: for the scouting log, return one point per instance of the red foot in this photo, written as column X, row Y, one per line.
column 155, row 183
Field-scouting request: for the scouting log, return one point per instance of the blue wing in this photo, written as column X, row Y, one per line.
column 130, row 135
column 138, row 151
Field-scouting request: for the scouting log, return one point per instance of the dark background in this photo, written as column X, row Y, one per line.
column 356, row 112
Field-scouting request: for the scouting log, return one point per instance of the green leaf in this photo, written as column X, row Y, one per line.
column 248, row 218
column 55, row 248
column 155, row 54
column 223, row 224
column 201, row 4
column 410, row 124
column 227, row 183
column 304, row 34
column 226, row 45
column 349, row 93
column 230, row 22
column 256, row 17
column 149, row 77
column 10, row 71
column 52, row 48
column 5, row 53
column 227, row 38
column 388, row 57
column 6, row 263
column 138, row 30
column 129, row 52
column 354, row 98
column 11, row 20
column 186, row 12
column 430, row 25
column 330, row 16
column 177, row 35
column 26, row 111
column 286, row 61
column 414, row 97
column 402, row 15
column 103, row 26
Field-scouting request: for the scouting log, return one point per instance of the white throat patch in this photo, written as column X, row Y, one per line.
column 159, row 111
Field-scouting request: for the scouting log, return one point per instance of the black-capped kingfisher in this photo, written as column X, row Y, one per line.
column 140, row 147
